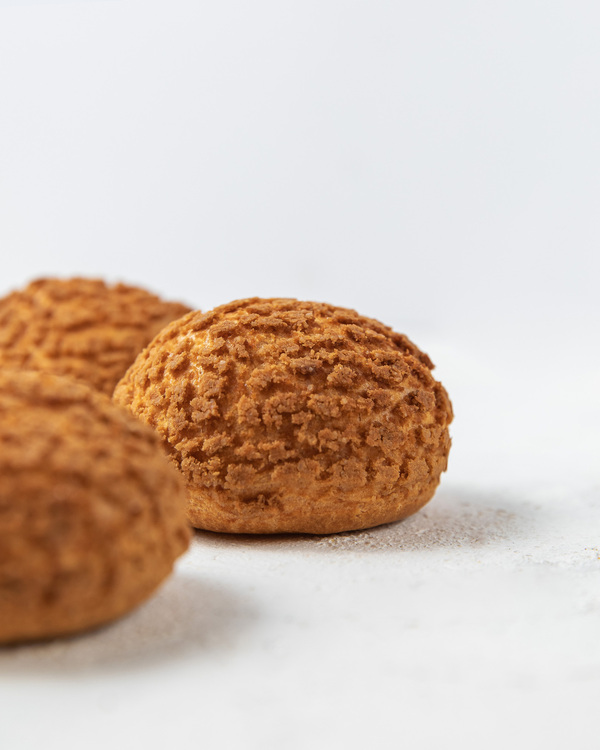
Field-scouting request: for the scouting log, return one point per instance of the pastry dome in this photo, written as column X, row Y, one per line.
column 289, row 416
column 92, row 514
column 82, row 328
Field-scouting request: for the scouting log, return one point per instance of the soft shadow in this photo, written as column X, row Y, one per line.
column 454, row 518
column 186, row 614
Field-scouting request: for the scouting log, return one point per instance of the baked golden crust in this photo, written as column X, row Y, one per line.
column 288, row 416
column 92, row 515
column 82, row 328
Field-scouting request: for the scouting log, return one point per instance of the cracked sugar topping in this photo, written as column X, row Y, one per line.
column 82, row 328
column 91, row 513
column 279, row 412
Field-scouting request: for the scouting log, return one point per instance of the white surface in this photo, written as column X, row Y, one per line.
column 476, row 622
column 432, row 164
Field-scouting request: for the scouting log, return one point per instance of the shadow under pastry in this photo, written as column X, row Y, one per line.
column 454, row 518
column 187, row 614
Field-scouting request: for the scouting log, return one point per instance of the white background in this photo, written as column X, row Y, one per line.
column 432, row 164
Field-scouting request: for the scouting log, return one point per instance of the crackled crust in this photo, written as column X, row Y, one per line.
column 82, row 328
column 288, row 416
column 92, row 516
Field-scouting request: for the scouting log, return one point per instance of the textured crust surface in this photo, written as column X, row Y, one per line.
column 289, row 416
column 81, row 328
column 92, row 515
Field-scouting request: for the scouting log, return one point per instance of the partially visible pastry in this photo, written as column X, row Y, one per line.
column 82, row 328
column 92, row 514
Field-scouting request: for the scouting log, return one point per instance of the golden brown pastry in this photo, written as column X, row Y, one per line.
column 288, row 416
column 80, row 327
column 92, row 514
